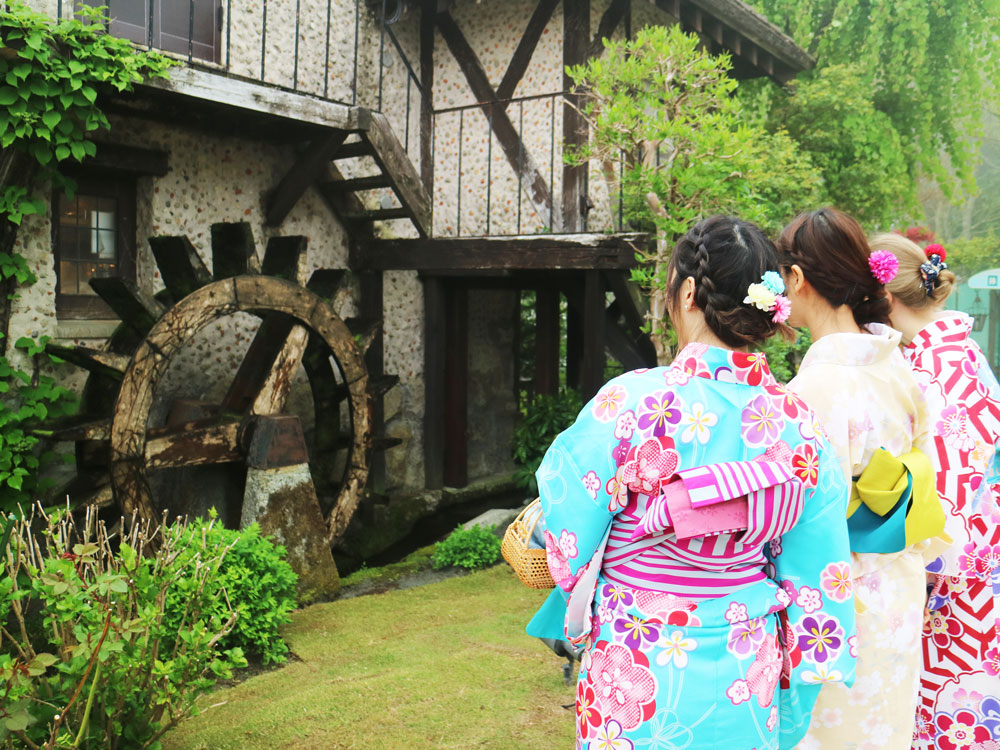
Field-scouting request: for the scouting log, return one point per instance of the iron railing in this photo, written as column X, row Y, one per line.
column 341, row 61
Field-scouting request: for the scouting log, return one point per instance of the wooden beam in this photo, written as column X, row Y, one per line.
column 576, row 47
column 546, row 340
column 125, row 160
column 304, row 172
column 613, row 15
column 435, row 352
column 371, row 306
column 545, row 251
column 456, row 378
column 182, row 269
column 233, row 250
column 218, row 88
column 427, row 13
column 507, row 136
column 273, row 392
column 193, row 444
column 526, row 47
column 574, row 339
column 592, row 369
column 394, row 162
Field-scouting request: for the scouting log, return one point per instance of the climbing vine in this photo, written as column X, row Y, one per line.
column 51, row 73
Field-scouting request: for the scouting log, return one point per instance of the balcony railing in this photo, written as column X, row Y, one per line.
column 349, row 52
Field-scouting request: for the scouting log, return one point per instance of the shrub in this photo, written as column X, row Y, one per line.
column 543, row 418
column 253, row 579
column 87, row 656
column 474, row 548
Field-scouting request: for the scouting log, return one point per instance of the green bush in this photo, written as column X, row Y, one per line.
column 88, row 656
column 253, row 579
column 473, row 548
column 542, row 419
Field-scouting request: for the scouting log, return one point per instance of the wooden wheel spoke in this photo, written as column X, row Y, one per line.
column 273, row 393
column 193, row 444
column 264, row 376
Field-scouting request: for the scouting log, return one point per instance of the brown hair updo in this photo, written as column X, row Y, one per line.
column 908, row 286
column 725, row 255
column 831, row 249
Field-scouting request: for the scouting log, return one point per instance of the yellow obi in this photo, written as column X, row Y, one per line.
column 894, row 503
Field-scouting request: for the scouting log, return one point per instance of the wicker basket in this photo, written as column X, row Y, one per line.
column 530, row 564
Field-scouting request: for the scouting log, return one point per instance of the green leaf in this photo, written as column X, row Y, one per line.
column 51, row 119
column 8, row 96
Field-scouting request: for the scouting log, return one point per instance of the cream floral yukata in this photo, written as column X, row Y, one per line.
column 867, row 399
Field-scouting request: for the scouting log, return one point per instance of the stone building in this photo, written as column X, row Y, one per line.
column 417, row 145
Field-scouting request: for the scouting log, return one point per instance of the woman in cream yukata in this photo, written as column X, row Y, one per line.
column 694, row 526
column 960, row 684
column 875, row 416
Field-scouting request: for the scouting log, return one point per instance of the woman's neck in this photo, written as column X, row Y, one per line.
column 910, row 322
column 825, row 320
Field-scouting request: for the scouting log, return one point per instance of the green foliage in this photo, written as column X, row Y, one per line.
column 930, row 66
column 50, row 76
column 856, row 147
column 49, row 85
column 253, row 579
column 665, row 105
column 784, row 357
column 26, row 399
column 473, row 548
column 89, row 659
column 968, row 257
column 542, row 419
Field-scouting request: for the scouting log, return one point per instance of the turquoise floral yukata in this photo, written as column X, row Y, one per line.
column 695, row 529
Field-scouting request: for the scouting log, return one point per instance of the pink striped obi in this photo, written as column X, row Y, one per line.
column 703, row 535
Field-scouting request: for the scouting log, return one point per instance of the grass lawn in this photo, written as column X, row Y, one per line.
column 446, row 665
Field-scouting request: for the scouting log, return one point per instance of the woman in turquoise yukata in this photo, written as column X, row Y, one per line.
column 875, row 415
column 695, row 528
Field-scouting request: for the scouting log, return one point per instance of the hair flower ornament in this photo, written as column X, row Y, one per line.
column 883, row 265
column 769, row 296
column 933, row 266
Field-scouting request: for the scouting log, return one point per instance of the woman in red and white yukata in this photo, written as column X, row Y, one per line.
column 960, row 682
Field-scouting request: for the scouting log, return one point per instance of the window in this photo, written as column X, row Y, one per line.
column 93, row 236
column 173, row 23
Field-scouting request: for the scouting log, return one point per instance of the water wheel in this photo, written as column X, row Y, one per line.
column 117, row 451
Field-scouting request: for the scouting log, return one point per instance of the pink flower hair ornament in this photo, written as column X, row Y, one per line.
column 883, row 265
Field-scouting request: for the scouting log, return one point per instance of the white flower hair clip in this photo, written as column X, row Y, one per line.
column 769, row 295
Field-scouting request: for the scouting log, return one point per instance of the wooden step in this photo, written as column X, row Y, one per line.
column 357, row 184
column 104, row 363
column 381, row 214
column 352, row 150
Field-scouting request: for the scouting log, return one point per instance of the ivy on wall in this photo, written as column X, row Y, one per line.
column 51, row 73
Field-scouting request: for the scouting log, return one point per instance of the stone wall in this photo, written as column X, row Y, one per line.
column 225, row 179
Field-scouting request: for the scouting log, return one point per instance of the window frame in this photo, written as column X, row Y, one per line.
column 153, row 35
column 123, row 190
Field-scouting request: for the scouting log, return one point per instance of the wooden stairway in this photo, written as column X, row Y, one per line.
column 321, row 164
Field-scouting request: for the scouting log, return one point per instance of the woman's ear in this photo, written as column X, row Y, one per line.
column 795, row 280
column 687, row 294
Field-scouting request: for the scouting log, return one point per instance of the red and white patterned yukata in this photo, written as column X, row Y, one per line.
column 959, row 705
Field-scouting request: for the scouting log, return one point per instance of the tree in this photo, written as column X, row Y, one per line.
column 664, row 105
column 929, row 66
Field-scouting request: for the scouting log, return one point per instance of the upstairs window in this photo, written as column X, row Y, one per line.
column 169, row 24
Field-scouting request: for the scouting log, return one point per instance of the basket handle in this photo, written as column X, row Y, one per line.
column 532, row 506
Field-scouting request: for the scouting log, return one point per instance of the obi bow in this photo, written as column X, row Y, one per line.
column 894, row 503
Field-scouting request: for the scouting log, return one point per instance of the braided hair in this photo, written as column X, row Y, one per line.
column 725, row 255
